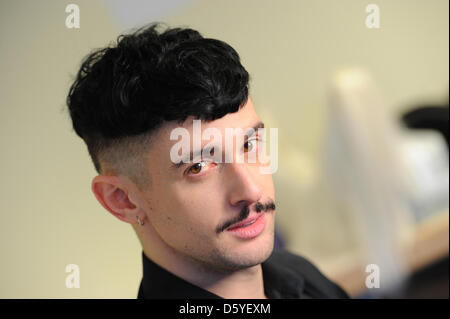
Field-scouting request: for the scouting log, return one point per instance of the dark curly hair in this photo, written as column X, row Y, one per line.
column 123, row 93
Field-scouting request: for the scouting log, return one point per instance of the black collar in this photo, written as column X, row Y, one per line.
column 280, row 281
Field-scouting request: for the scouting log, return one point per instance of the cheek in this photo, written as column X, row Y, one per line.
column 266, row 183
column 270, row 187
column 187, row 215
column 199, row 214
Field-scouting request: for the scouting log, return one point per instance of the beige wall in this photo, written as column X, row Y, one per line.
column 50, row 218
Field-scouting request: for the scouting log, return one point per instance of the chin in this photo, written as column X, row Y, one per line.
column 249, row 254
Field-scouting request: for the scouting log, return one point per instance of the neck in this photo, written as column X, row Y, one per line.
column 246, row 283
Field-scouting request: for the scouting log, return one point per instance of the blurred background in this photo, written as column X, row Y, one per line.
column 362, row 115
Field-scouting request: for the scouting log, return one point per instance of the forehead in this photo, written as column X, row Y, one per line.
column 245, row 118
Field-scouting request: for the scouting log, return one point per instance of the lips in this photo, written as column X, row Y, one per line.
column 249, row 228
column 246, row 222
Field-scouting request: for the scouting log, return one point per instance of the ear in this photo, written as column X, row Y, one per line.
column 112, row 194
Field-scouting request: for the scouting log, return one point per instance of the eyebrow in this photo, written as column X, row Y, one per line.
column 197, row 153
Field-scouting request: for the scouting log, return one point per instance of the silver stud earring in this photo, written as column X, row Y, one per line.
column 140, row 222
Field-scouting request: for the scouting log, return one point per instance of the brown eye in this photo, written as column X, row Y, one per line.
column 196, row 168
column 248, row 146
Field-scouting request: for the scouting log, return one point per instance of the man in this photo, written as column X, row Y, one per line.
column 206, row 225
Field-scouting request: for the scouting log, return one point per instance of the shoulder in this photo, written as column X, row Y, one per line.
column 316, row 284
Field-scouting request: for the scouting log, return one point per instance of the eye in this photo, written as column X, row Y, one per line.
column 199, row 167
column 196, row 168
column 249, row 145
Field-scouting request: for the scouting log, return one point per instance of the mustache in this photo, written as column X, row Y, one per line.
column 245, row 211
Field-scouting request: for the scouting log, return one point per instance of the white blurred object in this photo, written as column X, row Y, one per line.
column 425, row 156
column 364, row 171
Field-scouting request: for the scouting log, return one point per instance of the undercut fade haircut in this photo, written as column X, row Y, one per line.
column 124, row 92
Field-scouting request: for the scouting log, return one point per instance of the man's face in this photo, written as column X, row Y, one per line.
column 191, row 205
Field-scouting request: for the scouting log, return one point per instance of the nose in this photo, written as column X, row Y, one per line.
column 244, row 189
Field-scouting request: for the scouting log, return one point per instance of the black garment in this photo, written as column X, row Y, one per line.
column 285, row 276
column 429, row 117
